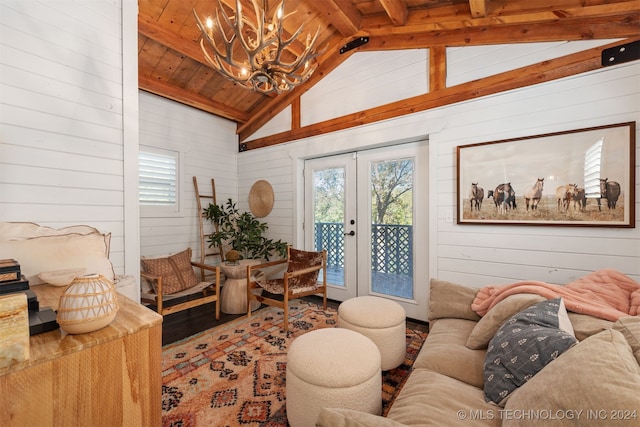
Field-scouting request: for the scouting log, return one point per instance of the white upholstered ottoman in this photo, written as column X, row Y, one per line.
column 380, row 319
column 332, row 368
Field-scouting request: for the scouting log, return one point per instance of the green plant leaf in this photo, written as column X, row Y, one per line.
column 242, row 231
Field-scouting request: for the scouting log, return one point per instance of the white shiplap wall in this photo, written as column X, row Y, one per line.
column 208, row 147
column 479, row 255
column 61, row 116
column 395, row 75
column 465, row 64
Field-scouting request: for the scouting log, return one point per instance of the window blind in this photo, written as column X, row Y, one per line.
column 158, row 179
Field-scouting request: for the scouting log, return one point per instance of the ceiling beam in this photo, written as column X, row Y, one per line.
column 341, row 14
column 183, row 96
column 541, row 72
column 437, row 68
column 620, row 26
column 478, row 8
column 396, row 10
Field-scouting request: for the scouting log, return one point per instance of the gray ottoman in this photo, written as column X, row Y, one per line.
column 381, row 320
column 332, row 368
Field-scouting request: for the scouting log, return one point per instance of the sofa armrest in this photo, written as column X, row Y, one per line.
column 448, row 299
column 338, row 417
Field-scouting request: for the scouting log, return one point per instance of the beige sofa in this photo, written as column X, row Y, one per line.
column 41, row 249
column 596, row 381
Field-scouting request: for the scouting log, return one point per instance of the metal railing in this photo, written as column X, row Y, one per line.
column 391, row 254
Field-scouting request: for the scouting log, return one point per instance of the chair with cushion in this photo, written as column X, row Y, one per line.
column 172, row 284
column 298, row 280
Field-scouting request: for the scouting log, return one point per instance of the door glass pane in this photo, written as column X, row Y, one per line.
column 328, row 214
column 392, row 227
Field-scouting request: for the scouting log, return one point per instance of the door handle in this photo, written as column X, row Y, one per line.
column 351, row 233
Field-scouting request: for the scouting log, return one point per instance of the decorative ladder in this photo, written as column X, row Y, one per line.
column 204, row 251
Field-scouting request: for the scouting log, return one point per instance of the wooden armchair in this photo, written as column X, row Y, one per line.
column 298, row 280
column 173, row 285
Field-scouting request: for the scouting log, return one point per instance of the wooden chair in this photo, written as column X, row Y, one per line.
column 298, row 280
column 174, row 285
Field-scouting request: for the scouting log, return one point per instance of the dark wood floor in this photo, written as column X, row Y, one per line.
column 185, row 323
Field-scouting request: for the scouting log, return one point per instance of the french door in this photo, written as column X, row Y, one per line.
column 369, row 210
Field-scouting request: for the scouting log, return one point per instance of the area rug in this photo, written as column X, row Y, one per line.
column 234, row 374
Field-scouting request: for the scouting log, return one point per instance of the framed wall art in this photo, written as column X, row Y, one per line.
column 582, row 177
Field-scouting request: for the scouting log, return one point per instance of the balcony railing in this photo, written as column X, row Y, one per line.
column 391, row 256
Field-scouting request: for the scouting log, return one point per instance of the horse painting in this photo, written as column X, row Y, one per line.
column 609, row 190
column 533, row 195
column 476, row 194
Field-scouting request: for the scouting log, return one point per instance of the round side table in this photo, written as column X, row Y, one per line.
column 233, row 296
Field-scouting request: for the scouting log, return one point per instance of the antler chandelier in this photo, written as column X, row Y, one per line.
column 256, row 53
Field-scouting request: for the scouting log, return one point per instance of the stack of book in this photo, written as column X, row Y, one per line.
column 41, row 319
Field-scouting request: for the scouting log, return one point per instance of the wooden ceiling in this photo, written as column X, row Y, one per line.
column 172, row 65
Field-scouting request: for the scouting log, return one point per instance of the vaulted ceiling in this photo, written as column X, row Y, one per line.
column 172, row 65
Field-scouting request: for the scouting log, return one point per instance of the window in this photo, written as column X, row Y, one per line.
column 592, row 162
column 159, row 183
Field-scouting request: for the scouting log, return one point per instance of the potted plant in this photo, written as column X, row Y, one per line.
column 242, row 232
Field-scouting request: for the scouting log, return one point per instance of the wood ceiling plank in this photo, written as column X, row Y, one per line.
column 152, row 8
column 175, row 14
column 419, row 22
column 152, row 53
column 545, row 71
column 342, row 14
column 188, row 98
column 174, row 41
column 165, row 68
column 184, row 72
column 478, row 8
column 396, row 10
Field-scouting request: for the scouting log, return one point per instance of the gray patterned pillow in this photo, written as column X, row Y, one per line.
column 524, row 345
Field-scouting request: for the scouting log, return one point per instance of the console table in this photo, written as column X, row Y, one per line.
column 110, row 377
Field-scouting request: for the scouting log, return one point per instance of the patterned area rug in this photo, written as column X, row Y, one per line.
column 234, row 374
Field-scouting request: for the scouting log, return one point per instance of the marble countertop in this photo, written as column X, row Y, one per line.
column 131, row 318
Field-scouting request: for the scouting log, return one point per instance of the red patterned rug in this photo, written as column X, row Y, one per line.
column 234, row 374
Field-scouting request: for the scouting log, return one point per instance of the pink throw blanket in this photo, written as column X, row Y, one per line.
column 606, row 294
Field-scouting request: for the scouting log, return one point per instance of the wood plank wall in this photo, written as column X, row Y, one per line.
column 61, row 116
column 208, row 146
column 479, row 255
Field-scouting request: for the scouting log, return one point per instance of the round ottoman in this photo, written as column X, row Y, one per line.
column 380, row 319
column 332, row 368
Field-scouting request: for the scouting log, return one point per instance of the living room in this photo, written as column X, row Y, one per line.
column 73, row 121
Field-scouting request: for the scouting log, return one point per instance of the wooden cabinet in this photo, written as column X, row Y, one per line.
column 110, row 377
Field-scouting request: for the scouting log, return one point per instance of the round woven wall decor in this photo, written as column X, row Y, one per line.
column 261, row 198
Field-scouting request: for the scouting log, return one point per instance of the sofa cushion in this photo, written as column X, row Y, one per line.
column 596, row 382
column 432, row 399
column 59, row 251
column 524, row 345
column 630, row 327
column 445, row 352
column 341, row 417
column 584, row 325
column 491, row 322
column 447, row 299
column 176, row 271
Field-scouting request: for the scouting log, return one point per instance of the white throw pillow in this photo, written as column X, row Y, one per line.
column 48, row 253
